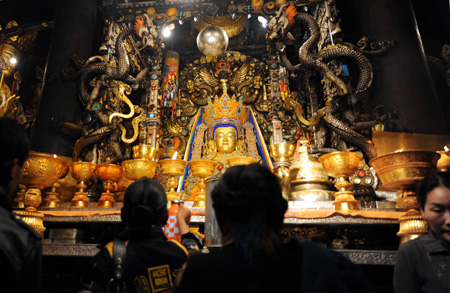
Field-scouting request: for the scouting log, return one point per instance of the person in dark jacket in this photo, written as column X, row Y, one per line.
column 423, row 264
column 20, row 245
column 250, row 209
column 152, row 262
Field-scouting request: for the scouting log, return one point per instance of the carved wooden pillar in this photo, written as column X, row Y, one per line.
column 74, row 29
column 402, row 79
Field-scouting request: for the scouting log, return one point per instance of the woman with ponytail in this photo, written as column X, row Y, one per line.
column 151, row 261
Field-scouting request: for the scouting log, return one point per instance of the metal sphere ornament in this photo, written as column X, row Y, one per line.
column 212, row 41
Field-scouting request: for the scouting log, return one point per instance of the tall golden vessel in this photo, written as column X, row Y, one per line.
column 109, row 174
column 341, row 165
column 202, row 169
column 82, row 172
column 174, row 168
column 401, row 172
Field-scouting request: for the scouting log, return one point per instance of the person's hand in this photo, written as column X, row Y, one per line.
column 183, row 218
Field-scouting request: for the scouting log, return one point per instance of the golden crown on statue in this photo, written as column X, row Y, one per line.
column 225, row 110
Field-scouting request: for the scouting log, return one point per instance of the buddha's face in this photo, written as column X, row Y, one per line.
column 225, row 138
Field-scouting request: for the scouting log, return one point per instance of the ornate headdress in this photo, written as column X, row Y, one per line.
column 225, row 110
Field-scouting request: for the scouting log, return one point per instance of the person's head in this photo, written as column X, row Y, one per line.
column 249, row 208
column 15, row 145
column 225, row 138
column 144, row 206
column 434, row 200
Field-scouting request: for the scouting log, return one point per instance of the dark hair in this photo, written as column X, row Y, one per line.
column 144, row 206
column 429, row 183
column 14, row 144
column 250, row 209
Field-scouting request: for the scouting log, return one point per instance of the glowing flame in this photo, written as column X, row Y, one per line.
column 54, row 156
column 398, row 151
column 446, row 148
column 174, row 155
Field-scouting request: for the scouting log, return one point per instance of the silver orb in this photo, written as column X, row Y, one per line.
column 212, row 41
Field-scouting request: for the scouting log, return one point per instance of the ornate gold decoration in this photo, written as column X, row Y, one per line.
column 232, row 26
column 225, row 110
column 341, row 165
column 401, row 171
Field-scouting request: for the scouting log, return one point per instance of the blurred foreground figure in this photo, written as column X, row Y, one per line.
column 20, row 245
column 423, row 264
column 250, row 211
column 151, row 262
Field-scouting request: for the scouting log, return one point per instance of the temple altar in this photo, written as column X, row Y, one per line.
column 323, row 93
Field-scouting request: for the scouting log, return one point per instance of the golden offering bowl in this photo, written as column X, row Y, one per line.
column 41, row 170
column 82, row 172
column 139, row 168
column 401, row 172
column 173, row 168
column 282, row 152
column 202, row 169
column 341, row 165
column 240, row 160
column 144, row 151
column 109, row 174
column 443, row 164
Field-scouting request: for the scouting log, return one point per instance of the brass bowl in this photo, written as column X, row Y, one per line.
column 443, row 164
column 108, row 172
column 240, row 160
column 42, row 170
column 402, row 170
column 173, row 167
column 143, row 151
column 202, row 168
column 139, row 168
column 339, row 164
column 82, row 170
column 282, row 151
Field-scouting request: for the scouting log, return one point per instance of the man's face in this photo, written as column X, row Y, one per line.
column 16, row 177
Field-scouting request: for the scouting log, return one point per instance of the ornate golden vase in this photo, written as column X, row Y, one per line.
column 309, row 181
column 341, row 165
column 40, row 170
column 174, row 168
column 202, row 169
column 109, row 174
column 401, row 172
column 240, row 160
column 82, row 172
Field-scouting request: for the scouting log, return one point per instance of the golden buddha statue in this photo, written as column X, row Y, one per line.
column 224, row 128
